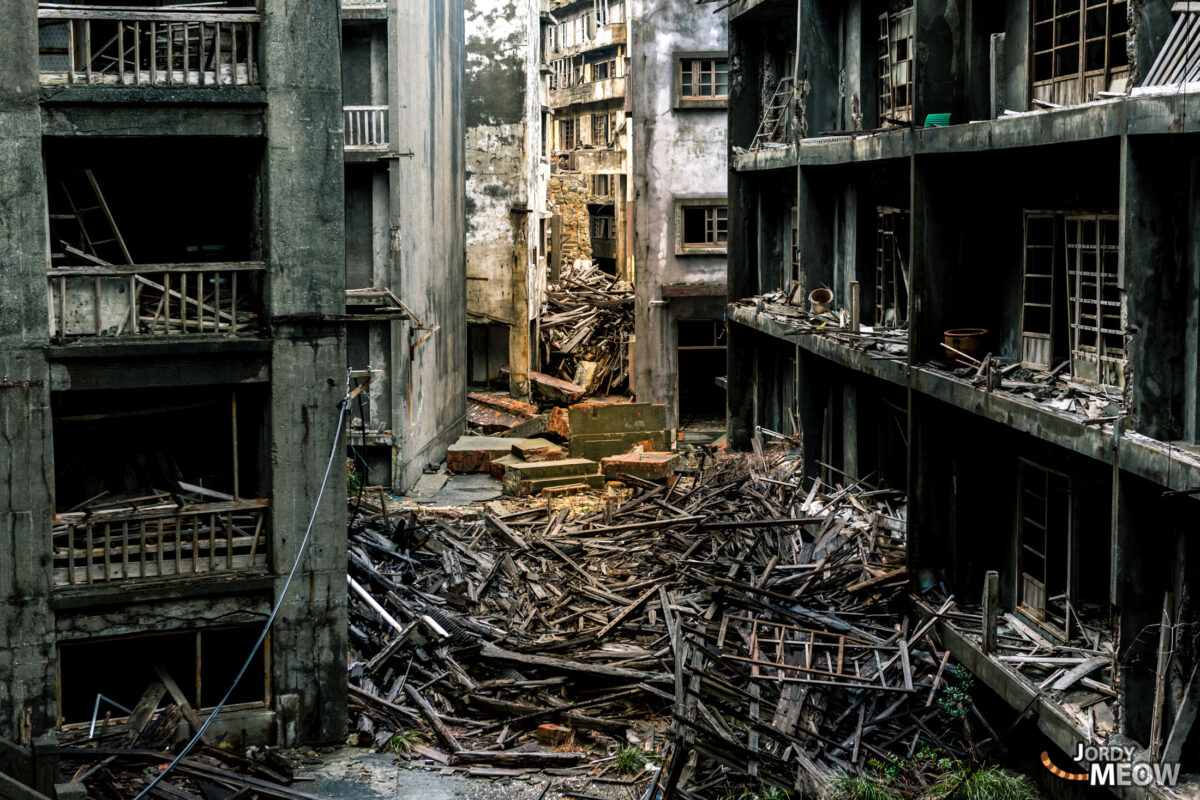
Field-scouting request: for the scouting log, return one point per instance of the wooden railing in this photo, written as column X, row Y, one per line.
column 366, row 127
column 123, row 45
column 162, row 299
column 159, row 542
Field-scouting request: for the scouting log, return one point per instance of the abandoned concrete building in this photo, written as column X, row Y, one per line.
column 965, row 232
column 679, row 88
column 174, row 346
column 403, row 96
column 508, row 170
column 586, row 53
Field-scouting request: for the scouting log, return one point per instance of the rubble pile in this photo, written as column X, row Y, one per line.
column 742, row 611
column 118, row 761
column 884, row 342
column 585, row 328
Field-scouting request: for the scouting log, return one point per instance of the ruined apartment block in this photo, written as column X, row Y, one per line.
column 586, row 51
column 965, row 232
column 180, row 225
column 679, row 92
column 405, row 305
column 508, row 170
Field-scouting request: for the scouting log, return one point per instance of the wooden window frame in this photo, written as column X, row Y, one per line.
column 894, row 99
column 716, row 212
column 692, row 64
column 1048, row 80
column 1033, row 584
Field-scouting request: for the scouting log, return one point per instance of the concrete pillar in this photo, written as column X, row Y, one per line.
column 518, row 330
column 304, row 240
column 27, row 654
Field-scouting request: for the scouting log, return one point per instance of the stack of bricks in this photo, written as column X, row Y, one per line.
column 567, row 195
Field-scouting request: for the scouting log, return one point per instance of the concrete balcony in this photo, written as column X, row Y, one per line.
column 594, row 92
column 605, row 36
column 130, row 46
column 365, row 127
column 125, row 301
column 598, row 162
column 364, row 9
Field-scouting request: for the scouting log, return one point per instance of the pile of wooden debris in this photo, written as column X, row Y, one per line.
column 585, row 329
column 742, row 611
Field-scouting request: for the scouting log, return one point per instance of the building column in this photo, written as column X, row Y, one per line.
column 27, row 652
column 304, row 240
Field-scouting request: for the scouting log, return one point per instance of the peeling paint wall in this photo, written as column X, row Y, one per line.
column 505, row 189
column 677, row 153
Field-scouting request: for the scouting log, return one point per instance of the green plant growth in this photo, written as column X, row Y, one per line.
column 845, row 786
column 955, row 699
column 982, row 783
column 632, row 760
column 404, row 743
column 353, row 481
column 763, row 793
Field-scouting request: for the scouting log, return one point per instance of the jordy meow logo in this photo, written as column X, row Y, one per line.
column 1114, row 766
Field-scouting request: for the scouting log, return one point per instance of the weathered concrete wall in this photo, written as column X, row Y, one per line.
column 677, row 153
column 504, row 196
column 305, row 247
column 27, row 656
column 428, row 235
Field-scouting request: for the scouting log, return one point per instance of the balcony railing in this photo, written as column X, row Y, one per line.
column 590, row 92
column 159, row 542
column 135, row 46
column 156, row 299
column 366, row 127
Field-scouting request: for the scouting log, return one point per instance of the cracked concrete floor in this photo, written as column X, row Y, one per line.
column 349, row 773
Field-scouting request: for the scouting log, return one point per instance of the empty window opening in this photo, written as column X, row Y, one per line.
column 602, row 186
column 487, row 352
column 1079, row 48
column 199, row 267
column 703, row 78
column 895, row 62
column 705, row 226
column 603, row 227
column 891, row 270
column 157, row 484
column 202, row 663
column 701, row 345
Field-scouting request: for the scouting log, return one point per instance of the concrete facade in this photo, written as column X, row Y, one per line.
column 968, row 456
column 678, row 161
column 507, row 173
column 402, row 74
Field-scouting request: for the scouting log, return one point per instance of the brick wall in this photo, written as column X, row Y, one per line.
column 567, row 195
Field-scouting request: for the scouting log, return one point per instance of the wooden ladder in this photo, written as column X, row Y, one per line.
column 95, row 220
column 775, row 117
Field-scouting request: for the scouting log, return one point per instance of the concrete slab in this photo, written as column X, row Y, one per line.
column 461, row 490
column 650, row 466
column 475, row 453
column 428, row 485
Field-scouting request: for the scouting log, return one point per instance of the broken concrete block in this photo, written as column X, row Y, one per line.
column 649, row 466
column 505, row 403
column 565, row 489
column 607, row 429
column 534, row 450
column 499, row 465
column 475, row 453
column 522, row 477
column 558, row 423
column 530, row 428
column 495, row 412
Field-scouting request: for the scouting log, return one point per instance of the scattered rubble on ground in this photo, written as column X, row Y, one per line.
column 740, row 614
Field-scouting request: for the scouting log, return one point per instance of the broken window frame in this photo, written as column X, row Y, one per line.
column 1093, row 356
column 600, row 227
column 568, row 133
column 891, row 276
column 1059, row 32
column 1035, row 526
column 1037, row 340
column 601, row 132
column 894, row 67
